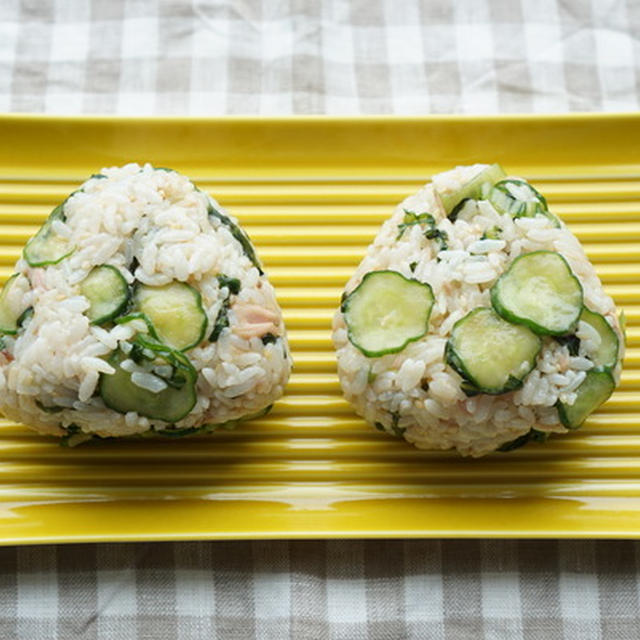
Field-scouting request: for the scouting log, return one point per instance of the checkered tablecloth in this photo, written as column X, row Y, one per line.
column 339, row 57
column 338, row 590
column 310, row 56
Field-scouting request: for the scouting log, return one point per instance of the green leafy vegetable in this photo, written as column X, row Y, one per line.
column 233, row 284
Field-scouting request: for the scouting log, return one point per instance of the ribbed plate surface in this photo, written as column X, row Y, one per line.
column 312, row 192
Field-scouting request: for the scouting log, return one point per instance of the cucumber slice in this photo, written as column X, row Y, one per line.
column 176, row 312
column 493, row 355
column 520, row 200
column 465, row 210
column 172, row 403
column 606, row 356
column 540, row 291
column 107, row 292
column 24, row 317
column 476, row 188
column 11, row 315
column 47, row 247
column 594, row 391
column 386, row 311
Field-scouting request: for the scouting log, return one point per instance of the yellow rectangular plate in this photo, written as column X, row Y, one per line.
column 312, row 193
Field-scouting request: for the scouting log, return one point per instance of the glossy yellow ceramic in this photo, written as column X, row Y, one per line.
column 312, row 192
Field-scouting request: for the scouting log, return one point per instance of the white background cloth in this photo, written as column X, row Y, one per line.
column 311, row 56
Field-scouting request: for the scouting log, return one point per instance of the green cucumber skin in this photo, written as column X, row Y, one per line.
column 149, row 322
column 138, row 315
column 10, row 331
column 453, row 215
column 541, row 210
column 502, row 186
column 23, row 317
column 58, row 212
column 123, row 304
column 472, row 387
column 610, row 365
column 344, row 308
column 176, row 358
column 472, row 188
column 515, row 319
column 564, row 411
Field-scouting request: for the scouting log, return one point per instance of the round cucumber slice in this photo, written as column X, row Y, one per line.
column 107, row 292
column 606, row 355
column 520, row 200
column 465, row 210
column 540, row 291
column 517, row 198
column 172, row 403
column 47, row 247
column 595, row 390
column 176, row 312
column 476, row 188
column 493, row 355
column 386, row 311
column 11, row 312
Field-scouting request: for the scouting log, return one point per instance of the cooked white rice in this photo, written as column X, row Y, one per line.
column 156, row 222
column 416, row 385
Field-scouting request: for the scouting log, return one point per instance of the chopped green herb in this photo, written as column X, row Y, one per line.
column 138, row 315
column 221, row 322
column 233, row 284
column 411, row 219
column 571, row 342
column 238, row 234
column 222, row 319
column 395, row 418
column 439, row 236
column 393, row 427
column 492, row 234
column 413, row 266
column 269, row 338
column 532, row 436
column 189, row 431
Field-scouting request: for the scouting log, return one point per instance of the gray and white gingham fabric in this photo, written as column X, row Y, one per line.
column 338, row 590
column 310, row 56
column 339, row 57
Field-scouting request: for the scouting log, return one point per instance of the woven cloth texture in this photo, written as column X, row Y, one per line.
column 337, row 590
column 310, row 56
column 339, row 57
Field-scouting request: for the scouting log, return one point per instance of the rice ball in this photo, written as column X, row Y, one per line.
column 139, row 307
column 475, row 321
